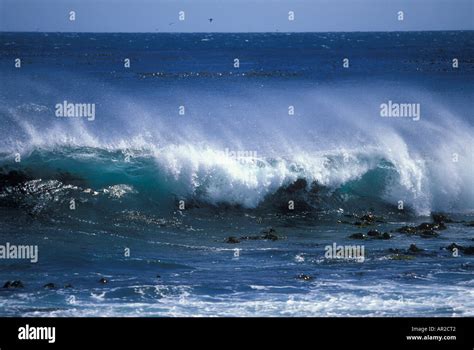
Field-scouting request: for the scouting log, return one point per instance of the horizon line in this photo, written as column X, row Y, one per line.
column 259, row 32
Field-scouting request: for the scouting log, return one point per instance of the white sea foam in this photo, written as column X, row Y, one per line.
column 383, row 299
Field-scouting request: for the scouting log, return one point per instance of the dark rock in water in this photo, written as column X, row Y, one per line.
column 250, row 238
column 386, row 235
column 374, row 234
column 298, row 192
column 13, row 178
column 371, row 234
column 372, row 218
column 469, row 224
column 395, row 250
column 414, row 249
column 267, row 234
column 425, row 229
column 68, row 285
column 232, row 240
column 367, row 220
column 49, row 286
column 158, row 276
column 429, row 234
column 427, row 226
column 270, row 236
column 358, row 236
column 17, row 284
column 304, row 277
column 453, row 246
column 368, row 217
column 407, row 229
column 13, row 284
column 468, row 250
column 362, row 223
column 465, row 250
column 270, row 231
column 298, row 185
column 441, row 218
column 103, row 280
column 379, row 235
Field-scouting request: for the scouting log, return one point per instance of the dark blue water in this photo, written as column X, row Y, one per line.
column 235, row 159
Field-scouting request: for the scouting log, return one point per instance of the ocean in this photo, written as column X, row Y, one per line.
column 210, row 174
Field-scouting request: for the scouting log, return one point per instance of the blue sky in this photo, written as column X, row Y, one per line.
column 235, row 15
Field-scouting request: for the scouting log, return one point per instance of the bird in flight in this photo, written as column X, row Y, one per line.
column 210, row 20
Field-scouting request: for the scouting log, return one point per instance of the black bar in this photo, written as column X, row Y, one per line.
column 158, row 333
